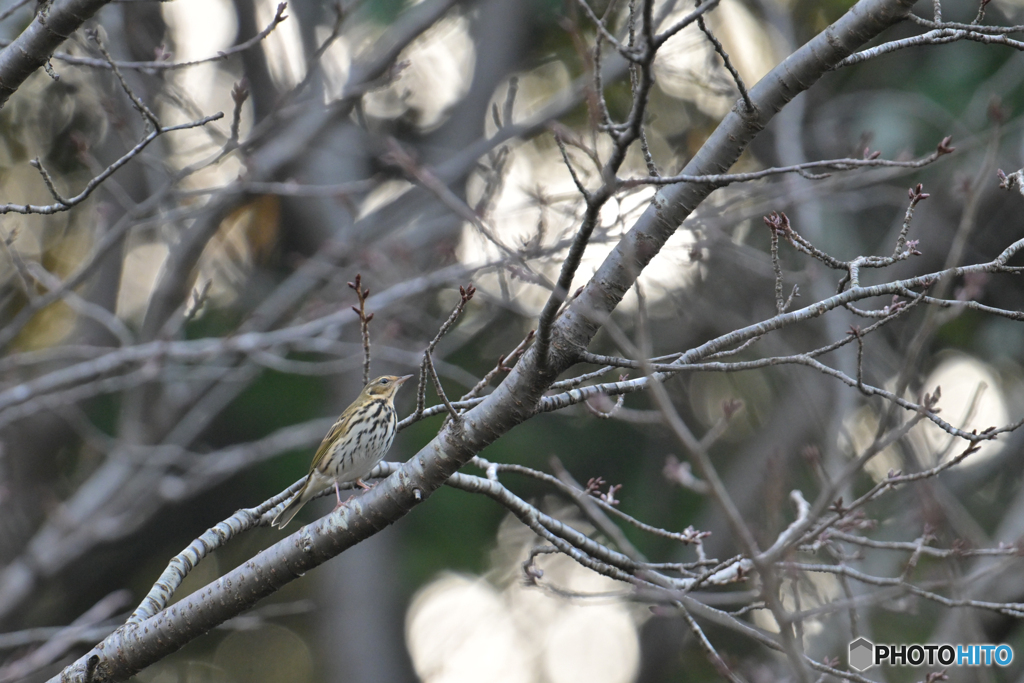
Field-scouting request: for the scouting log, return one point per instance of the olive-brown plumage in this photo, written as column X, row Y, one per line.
column 355, row 444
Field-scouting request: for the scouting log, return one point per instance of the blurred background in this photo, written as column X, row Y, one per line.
column 107, row 474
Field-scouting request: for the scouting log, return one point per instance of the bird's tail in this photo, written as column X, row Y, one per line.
column 292, row 508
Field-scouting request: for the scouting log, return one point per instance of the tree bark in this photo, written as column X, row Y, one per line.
column 136, row 646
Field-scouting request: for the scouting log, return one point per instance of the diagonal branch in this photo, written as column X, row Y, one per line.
column 63, row 204
column 134, row 647
column 33, row 48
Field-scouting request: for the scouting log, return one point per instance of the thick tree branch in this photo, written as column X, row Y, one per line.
column 34, row 47
column 133, row 647
column 674, row 204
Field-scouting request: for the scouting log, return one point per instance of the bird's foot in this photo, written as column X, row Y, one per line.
column 337, row 495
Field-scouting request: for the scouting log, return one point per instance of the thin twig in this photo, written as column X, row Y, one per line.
column 48, row 181
column 364, row 323
column 939, row 36
column 452, row 412
column 239, row 94
column 70, row 202
column 427, row 366
column 780, row 304
column 845, row 164
column 140, row 106
column 163, row 65
column 505, row 364
column 748, row 104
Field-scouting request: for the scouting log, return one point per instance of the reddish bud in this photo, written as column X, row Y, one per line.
column 917, row 193
column 240, row 93
column 778, row 222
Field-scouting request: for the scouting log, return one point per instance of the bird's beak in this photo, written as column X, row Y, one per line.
column 403, row 380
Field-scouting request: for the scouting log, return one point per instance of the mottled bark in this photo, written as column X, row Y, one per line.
column 136, row 646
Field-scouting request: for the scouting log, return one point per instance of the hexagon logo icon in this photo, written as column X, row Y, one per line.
column 862, row 654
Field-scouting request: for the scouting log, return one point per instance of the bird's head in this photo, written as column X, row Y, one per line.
column 384, row 386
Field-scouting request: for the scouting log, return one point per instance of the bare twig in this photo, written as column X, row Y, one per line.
column 364, row 323
column 107, row 172
column 846, row 164
column 427, row 366
column 748, row 104
column 939, row 36
column 239, row 94
column 140, row 106
column 165, row 65
column 505, row 364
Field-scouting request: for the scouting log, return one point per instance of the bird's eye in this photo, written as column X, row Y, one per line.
column 384, row 381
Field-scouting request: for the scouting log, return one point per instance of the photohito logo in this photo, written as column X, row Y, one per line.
column 864, row 654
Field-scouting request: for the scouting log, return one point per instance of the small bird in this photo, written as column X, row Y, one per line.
column 355, row 444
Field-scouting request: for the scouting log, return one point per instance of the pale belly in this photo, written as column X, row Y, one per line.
column 354, row 458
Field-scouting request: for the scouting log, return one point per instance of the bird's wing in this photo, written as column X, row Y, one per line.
column 336, row 429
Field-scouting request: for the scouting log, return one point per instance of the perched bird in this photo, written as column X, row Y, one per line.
column 356, row 443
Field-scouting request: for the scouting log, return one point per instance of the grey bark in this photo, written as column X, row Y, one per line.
column 33, row 48
column 134, row 647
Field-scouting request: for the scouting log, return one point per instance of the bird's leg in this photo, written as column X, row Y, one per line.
column 337, row 494
column 361, row 484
